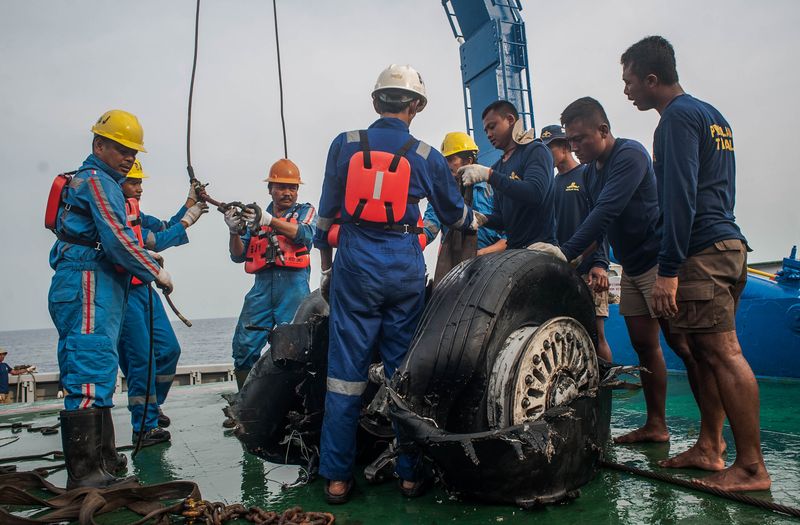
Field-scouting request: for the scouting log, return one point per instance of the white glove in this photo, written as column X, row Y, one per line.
column 234, row 221
column 325, row 283
column 157, row 256
column 193, row 187
column 164, row 281
column 474, row 173
column 60, row 394
column 251, row 215
column 548, row 248
column 194, row 213
column 478, row 220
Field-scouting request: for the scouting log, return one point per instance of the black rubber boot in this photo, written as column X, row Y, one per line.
column 241, row 376
column 113, row 461
column 82, row 437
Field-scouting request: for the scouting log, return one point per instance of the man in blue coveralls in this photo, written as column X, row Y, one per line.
column 702, row 261
column 279, row 287
column 522, row 179
column 459, row 149
column 134, row 345
column 373, row 181
column 87, row 295
column 572, row 206
column 624, row 208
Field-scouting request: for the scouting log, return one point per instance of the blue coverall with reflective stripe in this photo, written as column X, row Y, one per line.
column 275, row 295
column 377, row 289
column 134, row 345
column 87, row 295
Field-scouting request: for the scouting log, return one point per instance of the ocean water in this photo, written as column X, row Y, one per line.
column 207, row 341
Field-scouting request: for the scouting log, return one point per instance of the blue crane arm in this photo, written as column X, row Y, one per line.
column 494, row 62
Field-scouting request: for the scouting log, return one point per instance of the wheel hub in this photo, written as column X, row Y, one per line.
column 539, row 368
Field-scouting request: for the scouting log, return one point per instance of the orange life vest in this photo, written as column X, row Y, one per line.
column 377, row 183
column 55, row 200
column 262, row 253
column 134, row 220
column 333, row 233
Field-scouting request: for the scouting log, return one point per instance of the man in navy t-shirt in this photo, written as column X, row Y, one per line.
column 702, row 261
column 572, row 205
column 624, row 207
column 522, row 180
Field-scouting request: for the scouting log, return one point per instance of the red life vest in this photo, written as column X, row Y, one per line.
column 262, row 254
column 333, row 233
column 377, row 183
column 55, row 200
column 134, row 220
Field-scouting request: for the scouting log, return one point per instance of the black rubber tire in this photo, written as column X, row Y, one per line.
column 471, row 313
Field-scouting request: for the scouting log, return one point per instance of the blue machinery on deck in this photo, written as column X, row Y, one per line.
column 494, row 65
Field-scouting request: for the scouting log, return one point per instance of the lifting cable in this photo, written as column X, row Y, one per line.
column 280, row 77
column 694, row 485
column 189, row 167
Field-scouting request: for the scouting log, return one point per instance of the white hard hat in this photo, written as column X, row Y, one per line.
column 401, row 78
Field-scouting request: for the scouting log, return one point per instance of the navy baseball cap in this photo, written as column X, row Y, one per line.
column 551, row 133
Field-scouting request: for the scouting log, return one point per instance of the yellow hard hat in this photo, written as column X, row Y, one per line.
column 284, row 171
column 456, row 142
column 122, row 127
column 136, row 171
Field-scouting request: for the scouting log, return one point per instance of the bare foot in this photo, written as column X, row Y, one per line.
column 646, row 434
column 737, row 478
column 696, row 457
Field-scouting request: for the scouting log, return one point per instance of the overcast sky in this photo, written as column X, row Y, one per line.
column 65, row 63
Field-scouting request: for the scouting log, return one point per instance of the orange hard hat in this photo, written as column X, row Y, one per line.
column 284, row 171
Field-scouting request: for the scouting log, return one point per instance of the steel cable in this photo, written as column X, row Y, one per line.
column 280, row 77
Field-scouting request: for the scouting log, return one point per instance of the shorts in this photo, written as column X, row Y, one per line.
column 636, row 292
column 600, row 300
column 710, row 283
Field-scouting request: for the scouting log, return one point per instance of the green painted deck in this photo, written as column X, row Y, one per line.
column 201, row 451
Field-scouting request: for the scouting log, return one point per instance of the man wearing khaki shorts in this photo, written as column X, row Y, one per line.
column 702, row 261
column 624, row 208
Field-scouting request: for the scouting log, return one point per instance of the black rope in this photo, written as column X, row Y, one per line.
column 280, row 77
column 189, row 167
column 694, row 485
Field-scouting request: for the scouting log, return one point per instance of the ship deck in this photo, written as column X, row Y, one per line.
column 201, row 451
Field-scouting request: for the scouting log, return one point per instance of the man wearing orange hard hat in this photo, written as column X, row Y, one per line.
column 274, row 245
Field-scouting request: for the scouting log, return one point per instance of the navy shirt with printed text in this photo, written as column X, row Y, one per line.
column 572, row 207
column 523, row 202
column 696, row 172
column 624, row 202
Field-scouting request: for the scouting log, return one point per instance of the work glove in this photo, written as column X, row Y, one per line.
column 157, row 256
column 194, row 213
column 478, row 220
column 234, row 221
column 255, row 217
column 60, row 394
column 195, row 191
column 474, row 173
column 548, row 248
column 325, row 284
column 164, row 281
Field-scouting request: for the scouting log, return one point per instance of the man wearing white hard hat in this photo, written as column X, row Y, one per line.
column 374, row 180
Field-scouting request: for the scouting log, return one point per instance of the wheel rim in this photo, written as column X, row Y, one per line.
column 538, row 368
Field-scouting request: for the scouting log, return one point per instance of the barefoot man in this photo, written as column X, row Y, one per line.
column 702, row 261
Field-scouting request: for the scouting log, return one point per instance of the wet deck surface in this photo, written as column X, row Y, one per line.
column 201, row 451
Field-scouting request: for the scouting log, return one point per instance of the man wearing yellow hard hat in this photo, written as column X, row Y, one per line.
column 460, row 150
column 274, row 245
column 87, row 294
column 134, row 345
